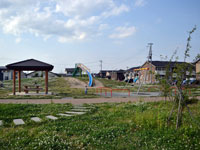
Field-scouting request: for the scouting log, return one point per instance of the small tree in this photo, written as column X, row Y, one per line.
column 182, row 71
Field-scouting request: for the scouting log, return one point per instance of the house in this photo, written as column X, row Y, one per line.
column 5, row 74
column 197, row 69
column 70, row 71
column 131, row 73
column 112, row 74
column 158, row 69
column 41, row 74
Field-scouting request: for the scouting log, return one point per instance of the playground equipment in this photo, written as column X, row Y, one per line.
column 144, row 79
column 79, row 68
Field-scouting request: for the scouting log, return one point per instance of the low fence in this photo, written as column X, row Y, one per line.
column 105, row 90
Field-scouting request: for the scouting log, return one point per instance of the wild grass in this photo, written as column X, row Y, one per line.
column 108, row 126
column 58, row 86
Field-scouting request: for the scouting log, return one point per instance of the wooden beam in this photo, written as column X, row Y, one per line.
column 46, row 81
column 19, row 80
column 14, row 88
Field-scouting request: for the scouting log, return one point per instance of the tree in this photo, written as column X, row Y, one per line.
column 197, row 58
column 181, row 71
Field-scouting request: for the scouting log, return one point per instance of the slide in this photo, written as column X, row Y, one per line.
column 135, row 79
column 84, row 68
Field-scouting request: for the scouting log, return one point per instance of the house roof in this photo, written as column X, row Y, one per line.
column 3, row 68
column 118, row 71
column 165, row 63
column 30, row 64
column 131, row 69
column 70, row 69
column 197, row 61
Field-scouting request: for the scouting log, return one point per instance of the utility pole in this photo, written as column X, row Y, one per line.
column 150, row 59
column 101, row 67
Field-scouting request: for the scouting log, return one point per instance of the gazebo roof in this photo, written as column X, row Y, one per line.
column 30, row 64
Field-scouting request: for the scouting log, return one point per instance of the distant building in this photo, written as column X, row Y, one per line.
column 158, row 68
column 131, row 73
column 41, row 74
column 70, row 71
column 197, row 66
column 5, row 74
column 112, row 74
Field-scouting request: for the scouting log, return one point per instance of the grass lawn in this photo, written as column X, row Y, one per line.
column 59, row 86
column 107, row 126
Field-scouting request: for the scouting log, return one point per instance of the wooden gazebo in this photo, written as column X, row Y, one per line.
column 29, row 65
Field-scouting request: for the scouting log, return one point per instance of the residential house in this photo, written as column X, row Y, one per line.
column 41, row 74
column 5, row 74
column 70, row 71
column 131, row 73
column 158, row 69
column 112, row 74
column 197, row 66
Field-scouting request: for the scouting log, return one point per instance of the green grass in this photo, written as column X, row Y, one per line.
column 108, row 126
column 58, row 86
column 123, row 85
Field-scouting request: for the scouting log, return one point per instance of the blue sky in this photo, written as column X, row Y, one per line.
column 65, row 32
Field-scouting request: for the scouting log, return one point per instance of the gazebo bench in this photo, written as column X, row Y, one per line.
column 37, row 89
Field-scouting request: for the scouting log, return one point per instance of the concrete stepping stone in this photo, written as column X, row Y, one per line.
column 36, row 119
column 18, row 121
column 51, row 117
column 75, row 112
column 1, row 122
column 76, row 109
column 66, row 115
column 81, row 107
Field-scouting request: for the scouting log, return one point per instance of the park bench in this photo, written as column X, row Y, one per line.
column 28, row 88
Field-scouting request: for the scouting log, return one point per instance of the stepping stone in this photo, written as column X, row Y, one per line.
column 18, row 121
column 81, row 107
column 76, row 109
column 75, row 112
column 1, row 122
column 67, row 115
column 36, row 119
column 51, row 117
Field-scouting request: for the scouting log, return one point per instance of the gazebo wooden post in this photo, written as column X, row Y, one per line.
column 19, row 80
column 46, row 81
column 14, row 88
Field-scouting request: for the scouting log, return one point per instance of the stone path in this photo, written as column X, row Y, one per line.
column 18, row 121
column 76, row 110
column 51, row 117
column 36, row 119
column 66, row 115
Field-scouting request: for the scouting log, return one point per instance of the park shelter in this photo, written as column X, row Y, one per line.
column 29, row 65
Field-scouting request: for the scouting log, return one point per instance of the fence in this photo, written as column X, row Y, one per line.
column 105, row 90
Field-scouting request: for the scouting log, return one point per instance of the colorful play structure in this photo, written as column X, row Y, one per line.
column 82, row 68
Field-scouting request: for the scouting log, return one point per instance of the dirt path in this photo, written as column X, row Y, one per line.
column 98, row 84
column 82, row 101
column 76, row 83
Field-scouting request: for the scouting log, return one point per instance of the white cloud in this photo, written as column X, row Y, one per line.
column 123, row 32
column 103, row 26
column 18, row 40
column 140, row 3
column 64, row 19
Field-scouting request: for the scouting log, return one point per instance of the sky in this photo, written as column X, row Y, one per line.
column 66, row 32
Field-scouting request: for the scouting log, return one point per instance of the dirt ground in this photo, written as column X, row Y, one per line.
column 76, row 83
column 82, row 101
